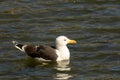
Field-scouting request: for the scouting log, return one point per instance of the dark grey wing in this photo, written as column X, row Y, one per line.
column 42, row 51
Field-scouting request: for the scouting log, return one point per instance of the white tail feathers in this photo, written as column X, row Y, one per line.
column 19, row 46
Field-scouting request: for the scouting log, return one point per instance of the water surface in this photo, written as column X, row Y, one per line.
column 94, row 24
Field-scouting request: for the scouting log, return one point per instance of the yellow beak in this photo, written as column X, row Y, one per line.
column 72, row 42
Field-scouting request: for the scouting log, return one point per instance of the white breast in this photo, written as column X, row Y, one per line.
column 63, row 54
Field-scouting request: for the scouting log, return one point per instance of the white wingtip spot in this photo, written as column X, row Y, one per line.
column 14, row 42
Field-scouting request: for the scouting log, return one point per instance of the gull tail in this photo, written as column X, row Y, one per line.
column 19, row 46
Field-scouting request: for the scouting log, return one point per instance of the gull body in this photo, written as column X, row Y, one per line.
column 46, row 52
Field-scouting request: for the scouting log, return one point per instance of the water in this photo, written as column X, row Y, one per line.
column 94, row 24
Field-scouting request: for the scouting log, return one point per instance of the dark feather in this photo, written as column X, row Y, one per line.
column 42, row 51
column 53, row 47
column 19, row 45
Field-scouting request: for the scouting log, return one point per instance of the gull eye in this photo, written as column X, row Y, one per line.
column 65, row 40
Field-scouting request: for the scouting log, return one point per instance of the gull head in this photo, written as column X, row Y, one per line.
column 63, row 41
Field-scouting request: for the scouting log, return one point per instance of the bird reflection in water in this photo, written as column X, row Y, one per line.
column 63, row 69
